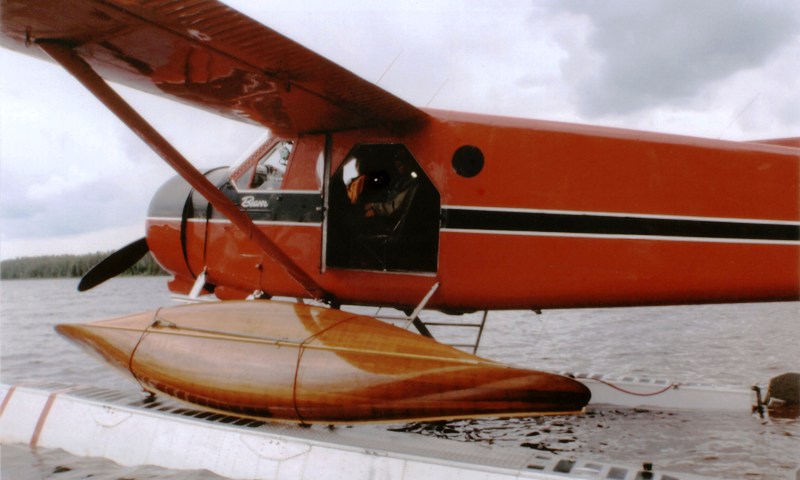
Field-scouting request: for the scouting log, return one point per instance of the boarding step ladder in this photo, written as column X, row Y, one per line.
column 476, row 329
column 448, row 332
column 465, row 335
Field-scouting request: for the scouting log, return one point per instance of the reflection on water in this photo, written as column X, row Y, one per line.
column 726, row 344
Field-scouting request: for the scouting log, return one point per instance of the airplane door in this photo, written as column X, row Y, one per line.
column 383, row 212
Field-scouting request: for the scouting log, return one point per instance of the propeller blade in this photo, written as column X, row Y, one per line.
column 114, row 264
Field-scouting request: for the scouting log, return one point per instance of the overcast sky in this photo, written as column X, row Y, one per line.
column 74, row 180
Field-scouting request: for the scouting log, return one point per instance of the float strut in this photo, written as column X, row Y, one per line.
column 66, row 56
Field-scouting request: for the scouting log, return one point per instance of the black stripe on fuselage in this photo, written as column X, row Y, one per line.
column 579, row 223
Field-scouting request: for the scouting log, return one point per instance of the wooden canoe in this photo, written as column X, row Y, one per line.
column 295, row 362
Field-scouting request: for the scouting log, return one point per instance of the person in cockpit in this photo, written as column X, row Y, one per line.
column 401, row 187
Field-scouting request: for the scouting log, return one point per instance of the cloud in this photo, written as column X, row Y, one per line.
column 667, row 52
column 105, row 239
column 69, row 166
column 57, row 207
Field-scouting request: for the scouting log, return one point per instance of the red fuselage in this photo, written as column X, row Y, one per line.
column 510, row 214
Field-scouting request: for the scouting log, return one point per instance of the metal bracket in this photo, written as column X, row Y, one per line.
column 199, row 283
column 424, row 301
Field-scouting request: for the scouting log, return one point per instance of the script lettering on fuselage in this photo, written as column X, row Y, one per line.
column 251, row 201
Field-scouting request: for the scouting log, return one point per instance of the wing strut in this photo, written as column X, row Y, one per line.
column 64, row 55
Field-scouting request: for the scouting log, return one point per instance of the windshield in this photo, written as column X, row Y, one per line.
column 267, row 173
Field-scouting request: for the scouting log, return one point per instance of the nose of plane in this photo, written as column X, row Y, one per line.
column 170, row 199
column 170, row 216
column 175, row 196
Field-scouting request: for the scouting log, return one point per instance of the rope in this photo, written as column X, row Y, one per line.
column 638, row 394
column 136, row 347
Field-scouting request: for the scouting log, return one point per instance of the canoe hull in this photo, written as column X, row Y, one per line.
column 299, row 363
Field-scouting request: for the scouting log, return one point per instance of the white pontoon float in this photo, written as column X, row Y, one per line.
column 131, row 429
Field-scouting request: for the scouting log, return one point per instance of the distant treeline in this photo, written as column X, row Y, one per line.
column 55, row 266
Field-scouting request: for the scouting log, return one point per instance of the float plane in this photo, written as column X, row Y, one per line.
column 359, row 198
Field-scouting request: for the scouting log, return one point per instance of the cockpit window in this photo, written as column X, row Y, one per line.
column 268, row 173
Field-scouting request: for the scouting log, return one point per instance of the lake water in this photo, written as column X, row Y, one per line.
column 724, row 344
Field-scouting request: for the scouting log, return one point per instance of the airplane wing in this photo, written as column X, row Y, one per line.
column 204, row 53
